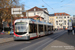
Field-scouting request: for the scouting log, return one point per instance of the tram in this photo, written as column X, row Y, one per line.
column 25, row 29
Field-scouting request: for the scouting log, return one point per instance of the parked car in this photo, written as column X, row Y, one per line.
column 11, row 32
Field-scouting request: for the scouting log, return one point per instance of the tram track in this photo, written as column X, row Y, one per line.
column 47, row 40
column 24, row 45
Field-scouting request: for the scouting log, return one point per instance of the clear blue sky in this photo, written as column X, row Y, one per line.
column 53, row 6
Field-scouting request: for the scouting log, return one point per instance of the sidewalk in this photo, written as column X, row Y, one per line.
column 3, row 40
column 65, row 42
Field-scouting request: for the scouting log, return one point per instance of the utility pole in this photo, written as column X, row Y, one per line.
column 11, row 16
column 43, row 13
column 27, row 14
column 11, row 24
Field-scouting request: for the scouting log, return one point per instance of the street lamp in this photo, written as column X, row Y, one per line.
column 43, row 13
column 11, row 15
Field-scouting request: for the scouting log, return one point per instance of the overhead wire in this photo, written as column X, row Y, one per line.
column 62, row 1
column 47, row 4
column 27, row 6
column 66, row 3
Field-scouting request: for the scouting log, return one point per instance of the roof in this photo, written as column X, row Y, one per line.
column 51, row 15
column 37, row 9
column 44, row 8
column 60, row 14
column 39, row 22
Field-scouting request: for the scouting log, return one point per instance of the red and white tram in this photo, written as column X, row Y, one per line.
column 29, row 29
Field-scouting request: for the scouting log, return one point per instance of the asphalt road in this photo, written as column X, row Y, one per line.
column 35, row 44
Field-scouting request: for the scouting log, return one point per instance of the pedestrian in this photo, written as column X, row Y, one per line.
column 68, row 32
column 74, row 29
column 73, row 32
column 69, row 29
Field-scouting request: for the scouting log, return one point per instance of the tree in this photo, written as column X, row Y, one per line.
column 5, row 8
column 14, row 3
column 4, row 3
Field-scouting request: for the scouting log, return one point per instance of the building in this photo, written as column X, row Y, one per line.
column 42, row 12
column 52, row 20
column 59, row 20
column 73, row 20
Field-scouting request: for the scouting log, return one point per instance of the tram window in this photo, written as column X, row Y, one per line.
column 48, row 28
column 40, row 28
column 32, row 28
column 45, row 28
column 51, row 27
column 35, row 28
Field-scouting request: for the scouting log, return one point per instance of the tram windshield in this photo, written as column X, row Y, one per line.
column 20, row 27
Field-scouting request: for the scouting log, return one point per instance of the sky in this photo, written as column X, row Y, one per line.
column 53, row 6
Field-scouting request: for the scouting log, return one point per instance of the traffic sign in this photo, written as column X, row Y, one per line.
column 16, row 11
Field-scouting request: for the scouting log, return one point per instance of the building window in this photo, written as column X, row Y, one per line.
column 62, row 14
column 37, row 13
column 60, row 17
column 56, row 22
column 68, row 17
column 34, row 13
column 65, row 22
column 64, row 17
column 59, row 14
column 60, row 20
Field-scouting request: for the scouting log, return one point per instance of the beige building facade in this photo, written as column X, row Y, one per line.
column 52, row 20
column 59, row 20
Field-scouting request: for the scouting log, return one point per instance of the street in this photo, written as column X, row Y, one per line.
column 35, row 44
